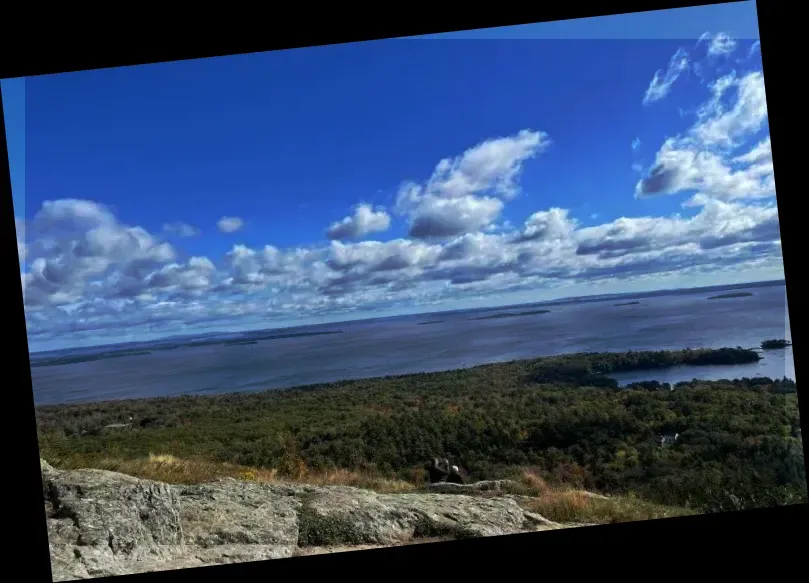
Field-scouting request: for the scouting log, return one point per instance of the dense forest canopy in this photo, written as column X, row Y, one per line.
column 711, row 445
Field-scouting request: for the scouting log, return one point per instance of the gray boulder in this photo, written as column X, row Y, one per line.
column 232, row 512
column 104, row 523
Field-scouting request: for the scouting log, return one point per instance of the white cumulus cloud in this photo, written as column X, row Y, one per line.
column 467, row 193
column 706, row 158
column 230, row 224
column 79, row 247
column 364, row 221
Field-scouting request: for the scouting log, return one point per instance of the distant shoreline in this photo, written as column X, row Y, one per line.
column 430, row 318
column 62, row 360
column 585, row 369
column 731, row 296
column 511, row 315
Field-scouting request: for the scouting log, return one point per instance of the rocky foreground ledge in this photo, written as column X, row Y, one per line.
column 103, row 523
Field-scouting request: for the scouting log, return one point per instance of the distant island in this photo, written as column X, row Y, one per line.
column 731, row 295
column 56, row 361
column 774, row 344
column 430, row 322
column 252, row 338
column 511, row 315
column 627, row 304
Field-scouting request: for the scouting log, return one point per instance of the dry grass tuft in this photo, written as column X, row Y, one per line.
column 534, row 482
column 555, row 503
column 341, row 477
column 173, row 470
column 571, row 505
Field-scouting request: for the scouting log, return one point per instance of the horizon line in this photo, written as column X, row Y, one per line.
column 545, row 302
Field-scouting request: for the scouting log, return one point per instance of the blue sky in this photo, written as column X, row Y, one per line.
column 737, row 19
column 391, row 177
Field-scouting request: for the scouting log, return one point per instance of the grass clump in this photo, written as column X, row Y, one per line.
column 576, row 506
column 567, row 503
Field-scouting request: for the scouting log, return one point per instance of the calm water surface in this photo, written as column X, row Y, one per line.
column 400, row 345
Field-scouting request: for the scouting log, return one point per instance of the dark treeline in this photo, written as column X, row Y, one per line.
column 731, row 295
column 775, row 343
column 593, row 368
column 737, row 441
